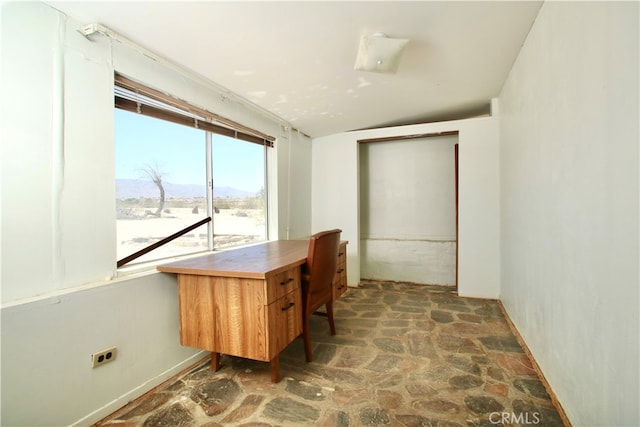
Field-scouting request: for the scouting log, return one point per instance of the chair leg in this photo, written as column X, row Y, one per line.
column 332, row 325
column 306, row 338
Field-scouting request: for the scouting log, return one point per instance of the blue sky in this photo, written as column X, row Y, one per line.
column 179, row 152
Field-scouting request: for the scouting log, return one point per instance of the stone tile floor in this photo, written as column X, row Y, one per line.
column 404, row 355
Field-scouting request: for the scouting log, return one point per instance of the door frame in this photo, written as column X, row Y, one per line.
column 456, row 180
column 456, row 168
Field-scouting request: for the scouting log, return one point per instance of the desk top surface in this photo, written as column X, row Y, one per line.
column 254, row 262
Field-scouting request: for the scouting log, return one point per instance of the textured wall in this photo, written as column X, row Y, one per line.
column 570, row 205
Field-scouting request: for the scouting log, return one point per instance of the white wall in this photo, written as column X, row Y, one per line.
column 335, row 197
column 570, row 194
column 408, row 210
column 294, row 184
column 47, row 379
column 61, row 298
column 47, row 216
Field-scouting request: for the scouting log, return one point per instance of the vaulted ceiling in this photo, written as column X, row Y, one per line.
column 296, row 59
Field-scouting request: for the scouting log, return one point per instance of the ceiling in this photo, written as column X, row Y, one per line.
column 296, row 59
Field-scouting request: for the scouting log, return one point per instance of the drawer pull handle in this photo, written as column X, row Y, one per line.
column 340, row 253
column 340, row 271
column 286, row 282
column 291, row 304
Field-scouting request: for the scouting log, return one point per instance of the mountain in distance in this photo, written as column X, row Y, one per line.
column 133, row 188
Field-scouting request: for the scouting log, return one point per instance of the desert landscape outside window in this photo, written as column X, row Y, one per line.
column 170, row 176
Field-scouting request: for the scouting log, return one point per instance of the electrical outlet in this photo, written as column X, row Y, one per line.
column 105, row 356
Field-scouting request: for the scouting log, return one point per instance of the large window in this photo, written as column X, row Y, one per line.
column 175, row 170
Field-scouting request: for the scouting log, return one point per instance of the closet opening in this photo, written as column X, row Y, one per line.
column 409, row 208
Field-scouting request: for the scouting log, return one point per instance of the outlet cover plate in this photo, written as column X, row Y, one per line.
column 102, row 357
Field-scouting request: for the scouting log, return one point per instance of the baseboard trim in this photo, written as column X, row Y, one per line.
column 536, row 367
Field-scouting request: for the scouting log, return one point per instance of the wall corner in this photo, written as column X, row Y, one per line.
column 495, row 107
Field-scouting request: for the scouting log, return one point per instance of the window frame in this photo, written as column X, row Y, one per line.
column 135, row 97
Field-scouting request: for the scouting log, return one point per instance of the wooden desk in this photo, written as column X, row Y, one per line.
column 245, row 302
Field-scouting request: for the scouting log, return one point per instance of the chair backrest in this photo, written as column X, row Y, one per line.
column 322, row 262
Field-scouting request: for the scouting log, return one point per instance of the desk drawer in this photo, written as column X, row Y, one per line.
column 340, row 278
column 282, row 284
column 285, row 321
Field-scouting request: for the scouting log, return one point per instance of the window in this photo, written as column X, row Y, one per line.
column 239, row 193
column 167, row 159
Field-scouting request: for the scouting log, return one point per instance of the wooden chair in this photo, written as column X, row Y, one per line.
column 317, row 281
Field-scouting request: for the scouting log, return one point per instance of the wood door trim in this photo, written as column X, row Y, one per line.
column 404, row 137
column 456, row 168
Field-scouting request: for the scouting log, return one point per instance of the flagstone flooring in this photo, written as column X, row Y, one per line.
column 404, row 355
